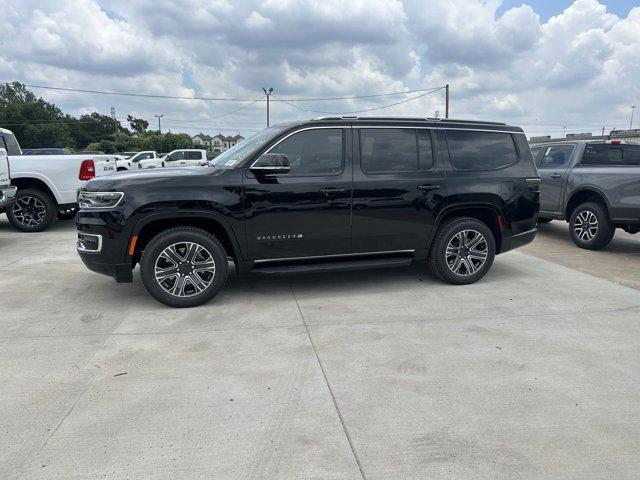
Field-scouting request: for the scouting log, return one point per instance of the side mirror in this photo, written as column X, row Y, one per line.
column 271, row 163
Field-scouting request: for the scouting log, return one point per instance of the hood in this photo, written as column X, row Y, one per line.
column 146, row 176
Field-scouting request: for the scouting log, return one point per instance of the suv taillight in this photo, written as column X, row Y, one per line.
column 87, row 170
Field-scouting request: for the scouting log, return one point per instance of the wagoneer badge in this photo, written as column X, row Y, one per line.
column 279, row 236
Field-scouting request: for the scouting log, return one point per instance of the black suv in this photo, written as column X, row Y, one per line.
column 328, row 193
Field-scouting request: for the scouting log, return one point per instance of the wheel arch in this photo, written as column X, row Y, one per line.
column 39, row 182
column 487, row 213
column 211, row 222
column 583, row 195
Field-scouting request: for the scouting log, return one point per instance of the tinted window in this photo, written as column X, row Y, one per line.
column 313, row 152
column 557, row 156
column 389, row 150
column 11, row 144
column 472, row 150
column 607, row 154
column 425, row 149
column 175, row 156
column 535, row 151
column 192, row 155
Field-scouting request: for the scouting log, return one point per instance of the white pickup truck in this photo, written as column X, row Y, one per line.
column 177, row 158
column 127, row 163
column 47, row 184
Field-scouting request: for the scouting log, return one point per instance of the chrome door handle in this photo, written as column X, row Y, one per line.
column 332, row 191
column 555, row 175
column 428, row 188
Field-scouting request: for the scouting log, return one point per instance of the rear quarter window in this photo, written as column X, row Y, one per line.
column 606, row 154
column 474, row 150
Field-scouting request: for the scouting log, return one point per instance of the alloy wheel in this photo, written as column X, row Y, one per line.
column 586, row 225
column 185, row 269
column 466, row 252
column 29, row 211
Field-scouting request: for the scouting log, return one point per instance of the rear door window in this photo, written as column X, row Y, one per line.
column 556, row 156
column 475, row 150
column 388, row 150
column 193, row 156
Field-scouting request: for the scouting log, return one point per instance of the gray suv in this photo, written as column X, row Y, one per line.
column 593, row 184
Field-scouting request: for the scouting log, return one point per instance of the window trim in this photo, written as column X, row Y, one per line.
column 290, row 134
column 400, row 172
column 513, row 140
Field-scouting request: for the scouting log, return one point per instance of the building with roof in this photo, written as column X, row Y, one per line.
column 218, row 143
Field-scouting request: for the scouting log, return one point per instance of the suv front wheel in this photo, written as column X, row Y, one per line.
column 463, row 251
column 184, row 267
column 590, row 226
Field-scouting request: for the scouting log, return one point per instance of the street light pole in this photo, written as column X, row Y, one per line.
column 446, row 101
column 268, row 94
column 159, row 131
column 633, row 107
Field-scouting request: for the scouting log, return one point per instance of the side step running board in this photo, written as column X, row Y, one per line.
column 335, row 266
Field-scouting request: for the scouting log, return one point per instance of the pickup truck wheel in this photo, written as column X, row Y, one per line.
column 590, row 226
column 33, row 211
column 184, row 267
column 463, row 251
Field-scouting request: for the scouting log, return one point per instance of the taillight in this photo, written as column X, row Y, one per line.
column 87, row 170
column 615, row 142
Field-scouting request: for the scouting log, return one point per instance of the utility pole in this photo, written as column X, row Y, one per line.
column 633, row 107
column 603, row 131
column 564, row 131
column 268, row 94
column 446, row 101
column 159, row 131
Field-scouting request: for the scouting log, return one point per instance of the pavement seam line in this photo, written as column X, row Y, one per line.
column 326, row 381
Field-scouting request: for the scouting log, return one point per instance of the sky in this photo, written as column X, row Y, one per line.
column 548, row 66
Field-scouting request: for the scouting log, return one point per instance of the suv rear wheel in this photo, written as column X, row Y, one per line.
column 590, row 226
column 463, row 251
column 184, row 267
column 33, row 210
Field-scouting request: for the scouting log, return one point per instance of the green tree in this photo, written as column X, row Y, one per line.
column 35, row 122
column 138, row 125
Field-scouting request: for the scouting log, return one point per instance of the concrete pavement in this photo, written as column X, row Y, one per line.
column 531, row 373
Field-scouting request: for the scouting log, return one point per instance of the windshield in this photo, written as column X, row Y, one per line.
column 242, row 150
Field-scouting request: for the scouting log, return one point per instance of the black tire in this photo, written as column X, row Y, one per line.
column 443, row 262
column 32, row 211
column 587, row 233
column 122, row 169
column 178, row 239
column 544, row 220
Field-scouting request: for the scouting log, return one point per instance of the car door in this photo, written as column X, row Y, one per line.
column 305, row 212
column 553, row 165
column 192, row 157
column 398, row 187
column 175, row 159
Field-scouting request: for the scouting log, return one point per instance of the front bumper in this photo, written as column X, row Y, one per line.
column 518, row 240
column 120, row 271
column 7, row 195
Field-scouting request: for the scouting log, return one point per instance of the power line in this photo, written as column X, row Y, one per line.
column 220, row 99
column 358, row 111
column 222, row 115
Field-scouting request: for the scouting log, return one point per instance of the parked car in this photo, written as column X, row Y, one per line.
column 330, row 193
column 47, row 184
column 592, row 184
column 46, row 151
column 7, row 191
column 177, row 158
column 132, row 161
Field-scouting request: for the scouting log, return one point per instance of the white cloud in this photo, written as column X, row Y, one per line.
column 578, row 68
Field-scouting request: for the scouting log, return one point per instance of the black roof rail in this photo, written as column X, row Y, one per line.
column 428, row 119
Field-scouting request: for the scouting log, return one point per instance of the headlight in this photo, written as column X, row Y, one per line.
column 99, row 199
